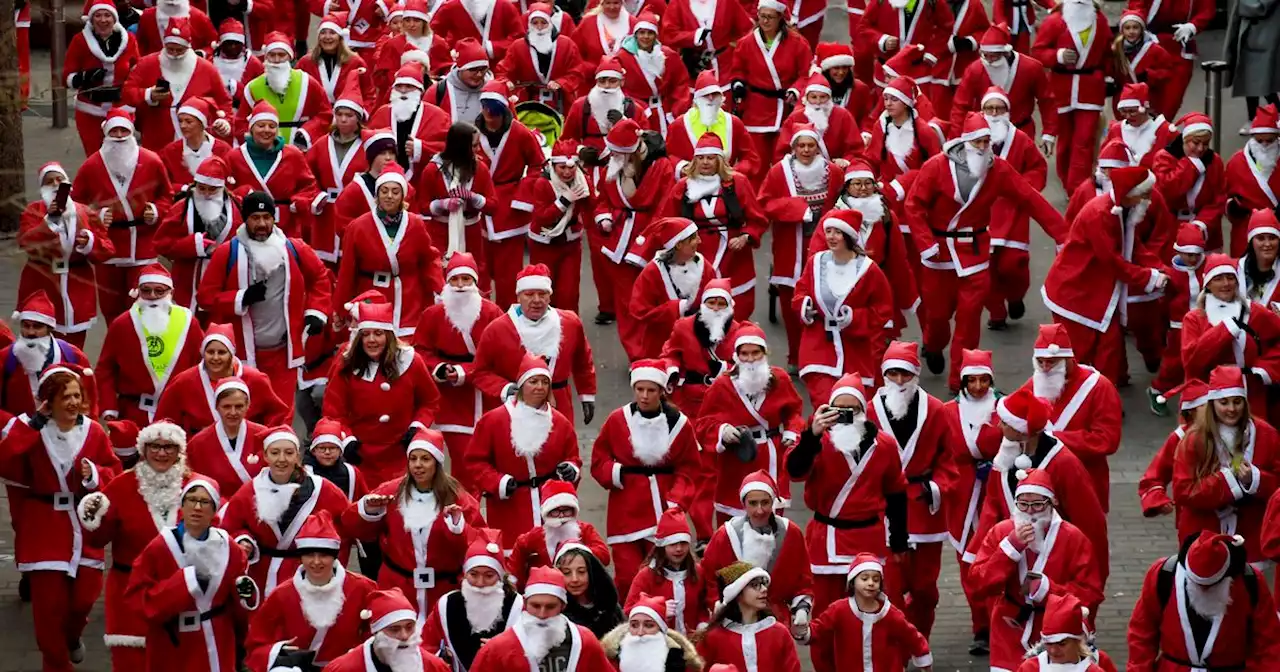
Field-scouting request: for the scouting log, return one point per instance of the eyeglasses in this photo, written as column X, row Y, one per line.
column 198, row 502
column 161, row 447
column 325, row 448
column 759, row 583
column 1037, row 506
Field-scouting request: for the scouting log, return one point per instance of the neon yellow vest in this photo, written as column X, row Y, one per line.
column 162, row 348
column 287, row 105
column 720, row 128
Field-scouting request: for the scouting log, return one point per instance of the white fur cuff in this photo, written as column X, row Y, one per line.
column 95, row 522
column 502, row 486
column 1013, row 553
column 364, row 513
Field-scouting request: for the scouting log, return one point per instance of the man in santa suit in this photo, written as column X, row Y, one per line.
column 889, row 27
column 266, row 164
column 1010, row 230
column 1092, row 276
column 1025, row 559
column 414, row 42
column 64, row 244
column 915, row 419
column 165, row 81
column 766, row 540
column 191, row 231
column 156, row 24
column 1249, row 174
column 272, row 288
column 128, row 187
column 186, row 585
column 396, row 643
column 1141, row 132
column 839, row 136
column 541, row 66
column 419, row 125
column 652, row 71
column 196, row 118
column 558, row 503
column 646, row 457
column 317, row 614
column 458, row 92
column 708, row 116
column 302, row 108
column 970, row 23
column 901, row 139
column 542, row 637
column 1023, row 80
column 484, row 606
column 1192, row 177
column 1075, row 45
column 563, row 201
column 1204, row 608
column 236, row 64
column 953, row 238
column 519, row 446
column 145, row 348
column 706, row 33
column 602, row 107
column 533, row 327
column 668, row 287
column 1176, row 24
column 35, row 349
column 490, row 23
column 96, row 64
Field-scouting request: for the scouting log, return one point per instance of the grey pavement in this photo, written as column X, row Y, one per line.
column 1135, row 542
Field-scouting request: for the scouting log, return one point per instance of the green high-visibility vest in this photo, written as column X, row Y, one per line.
column 720, row 128
column 163, row 348
column 287, row 106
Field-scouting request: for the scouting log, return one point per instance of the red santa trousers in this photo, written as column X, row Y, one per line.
column 284, row 381
column 1011, row 278
column 764, row 147
column 790, row 321
column 60, row 607
column 627, row 560
column 1103, row 351
column 819, row 386
column 622, row 278
column 1166, row 98
column 505, row 260
column 24, row 64
column 457, row 443
column 744, row 304
column 947, row 295
column 114, row 284
column 704, row 497
column 913, row 583
column 1078, row 133
column 600, row 265
column 1148, row 322
column 979, row 613
column 90, row 129
column 565, row 262
column 1171, row 373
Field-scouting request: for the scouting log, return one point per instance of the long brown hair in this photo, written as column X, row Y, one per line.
column 1118, row 56
column 657, row 560
column 356, row 361
column 1200, row 444
column 344, row 54
column 445, row 488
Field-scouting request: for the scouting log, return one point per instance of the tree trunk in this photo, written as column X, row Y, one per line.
column 12, row 166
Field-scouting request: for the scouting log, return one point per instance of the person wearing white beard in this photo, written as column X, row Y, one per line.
column 606, row 99
column 484, row 606
column 1249, row 172
column 231, row 56
column 192, row 230
column 709, row 115
column 1078, row 81
column 545, row 61
column 35, row 348
column 838, row 137
column 397, row 641
column 302, row 105
column 171, row 81
column 558, row 504
column 645, row 643
column 156, row 21
column 669, row 286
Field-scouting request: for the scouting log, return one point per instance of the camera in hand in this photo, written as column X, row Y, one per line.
column 844, row 416
column 162, row 85
column 59, row 204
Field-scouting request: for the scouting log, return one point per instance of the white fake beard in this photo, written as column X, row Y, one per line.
column 270, row 499
column 1104, row 182
column 178, row 70
column 847, row 438
column 484, row 605
column 1079, row 14
column 976, row 412
column 1008, row 456
column 978, row 161
column 230, row 68
column 1139, row 139
column 161, row 490
column 716, row 321
column 810, row 176
column 872, row 209
column 461, row 306
column 602, row 102
column 687, row 277
column 753, row 377
column 540, row 40
column 897, row 4
column 32, row 353
column 1001, row 129
column 405, row 105
column 1209, row 601
column 48, row 193
column 998, row 72
column 643, row 653
column 120, row 155
column 897, row 398
column 1219, row 311
column 1039, row 524
column 155, row 314
column 210, row 209
column 653, row 62
column 757, row 548
column 399, row 656
column 478, row 9
column 278, row 76
column 205, row 556
column 269, row 254
column 1048, row 384
column 530, row 428
column 649, row 438
column 541, row 338
column 321, row 605
column 708, row 110
column 541, row 634
column 1137, row 213
column 1264, row 155
column 556, row 531
column 420, row 512
column 819, row 115
column 173, row 8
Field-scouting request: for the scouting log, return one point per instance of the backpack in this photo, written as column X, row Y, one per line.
column 11, row 365
column 235, row 251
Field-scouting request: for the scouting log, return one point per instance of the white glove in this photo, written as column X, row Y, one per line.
column 671, row 609
column 1183, row 32
column 808, row 217
column 222, row 127
column 1161, row 280
column 801, row 618
column 729, row 434
column 844, row 317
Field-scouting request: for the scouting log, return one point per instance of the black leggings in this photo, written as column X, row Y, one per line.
column 1252, row 103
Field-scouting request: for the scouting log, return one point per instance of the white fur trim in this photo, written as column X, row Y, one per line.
column 1009, row 418
column 899, row 364
column 546, row 589
column 1191, row 129
column 755, row 486
column 838, row 391
column 281, row 436
column 393, row 617
column 155, row 279
column 96, row 522
column 869, row 566
column 533, row 282
column 843, row 60
column 654, row 375
column 734, row 589
column 659, row 619
column 564, row 499
column 423, row 444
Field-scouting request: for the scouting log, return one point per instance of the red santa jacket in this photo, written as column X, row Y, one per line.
column 85, row 54
column 696, row 361
column 61, row 267
column 427, row 132
column 1194, row 191
column 778, row 418
column 505, row 653
column 1163, row 16
column 519, row 68
column 183, row 163
column 1206, row 346
column 549, row 210
column 453, row 22
column 1150, row 63
column 440, row 343
column 841, row 140
column 448, row 629
column 532, row 550
column 974, row 440
column 889, row 165
column 1081, row 86
column 188, row 399
column 630, row 215
column 925, row 464
column 762, row 75
column 17, row 394
column 1019, row 17
column 405, row 269
column 1028, row 92
column 931, row 26
column 148, row 188
column 1248, row 189
column 581, row 126
column 211, row 451
column 518, row 154
column 433, row 205
column 746, row 646
column 288, row 180
column 779, row 198
column 680, row 30
column 666, row 90
column 840, row 636
column 391, row 55
column 185, row 242
column 847, row 337
column 657, row 303
column 128, row 387
column 674, row 586
column 1154, row 486
column 332, row 175
column 1182, row 291
column 886, row 244
column 149, row 31
column 360, row 659
column 788, row 564
column 365, row 21
column 158, row 122
column 1086, row 417
column 969, row 22
column 716, row 227
column 501, row 348
column 739, row 147
column 282, row 621
column 333, row 81
column 1154, row 234
column 594, row 41
column 1009, row 226
column 1144, row 142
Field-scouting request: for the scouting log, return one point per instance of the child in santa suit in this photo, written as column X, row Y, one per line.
column 842, row 632
column 563, row 202
column 1186, row 278
column 558, row 503
column 484, row 606
column 646, row 642
column 1192, row 177
column 1154, row 486
column 229, row 452
column 318, row 611
column 1064, row 640
column 743, row 632
column 645, row 456
column 669, row 284
column 671, row 571
column 324, row 458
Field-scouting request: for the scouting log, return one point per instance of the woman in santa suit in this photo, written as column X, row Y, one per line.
column 190, row 399
column 901, row 137
column 390, row 251
column 60, row 456
column 722, row 204
column 332, row 63
column 1258, row 263
column 96, row 64
column 1191, row 177
column 743, row 632
column 229, row 452
column 600, row 33
column 195, row 143
column 1226, row 467
column 382, row 390
column 671, row 572
column 456, row 194
column 705, row 32
column 846, row 304
column 1250, row 174
column 654, row 72
column 414, row 41
column 422, row 523
column 1138, row 57
column 359, row 195
column 336, row 160
column 544, row 65
column 669, row 285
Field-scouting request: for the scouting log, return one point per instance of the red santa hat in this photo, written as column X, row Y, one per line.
column 231, row 383
column 155, row 273
column 118, row 117
column 1263, row 221
column 51, row 167
column 123, row 435
column 201, row 109
column 1219, row 264
column 671, row 230
column 651, row 370
column 1190, row 238
column 430, row 440
column 720, row 288
column 278, row 41
column 902, row 88
column 1023, row 411
column 1065, row 617
column 91, row 6
column 864, row 562
column 1132, row 15
column 976, row 363
column 222, row 333
column 555, row 494
column 350, row 97
column 410, row 73
column 653, row 606
column 1267, row 120
column 1131, row 181
column 496, row 90
column 995, row 93
column 417, row 9
column 912, row 62
column 775, row 5
column 1194, row 394
column 1053, row 341
column 397, row 12
column 646, row 21
column 609, row 67
column 468, row 54
column 231, row 30
column 707, row 85
column 330, row 431
column 758, row 481
column 391, row 173
column 213, row 172
column 858, row 168
column 371, row 315
column 564, row 152
column 178, row 31
column 848, row 222
column 318, row 533
column 337, row 22
column 817, row 83
column 485, row 551
column 197, row 482
column 975, row 127
column 731, row 591
column 461, row 263
column 1034, row 482
column 1115, row 154
column 1209, row 557
column 126, row 433
column 804, row 131
column 673, row 528
column 903, row 355
column 386, row 607
column 545, row 581
column 624, row 137
column 849, row 383
column 1226, row 382
column 263, row 111
column 534, row 277
column 36, row 307
column 281, row 433
column 997, row 39
column 1195, row 122
column 1134, row 94
column 833, row 55
column 531, row 366
column 539, row 10
column 749, row 334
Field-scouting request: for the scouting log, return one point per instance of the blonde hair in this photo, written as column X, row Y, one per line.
column 344, row 53
column 690, row 169
column 1201, row 441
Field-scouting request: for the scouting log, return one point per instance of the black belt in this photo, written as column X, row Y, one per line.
column 1062, row 70
column 374, row 274
column 119, row 567
column 462, row 359
column 291, row 124
column 172, row 625
column 56, row 497
column 126, row 224
column 771, row 93
column 695, row 378
column 922, row 478
column 278, row 553
column 560, row 385
column 408, row 574
column 959, row 234
column 1211, row 668
column 536, row 481
column 649, row 471
column 845, row 523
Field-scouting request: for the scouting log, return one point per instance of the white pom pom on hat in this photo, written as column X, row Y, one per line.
column 1084, row 611
column 1022, row 462
column 1237, row 540
column 86, row 372
column 365, row 614
column 385, row 386
column 1054, row 348
column 492, row 548
column 252, row 459
column 1022, row 474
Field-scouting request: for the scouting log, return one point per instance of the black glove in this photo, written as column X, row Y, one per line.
column 588, row 412
column 1142, row 77
column 926, row 494
column 441, row 372
column 961, row 44
column 1236, row 210
column 314, row 325
column 983, row 470
column 290, row 657
column 739, row 91
column 510, row 490
column 745, row 447
column 408, row 435
column 300, row 141
column 1207, row 157
column 37, row 421
column 1175, row 147
column 672, row 380
column 351, row 454
column 566, row 472
column 255, row 293
column 714, row 367
column 1114, row 88
column 245, row 588
column 614, row 116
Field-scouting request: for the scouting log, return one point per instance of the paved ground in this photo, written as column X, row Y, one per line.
column 1136, row 542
